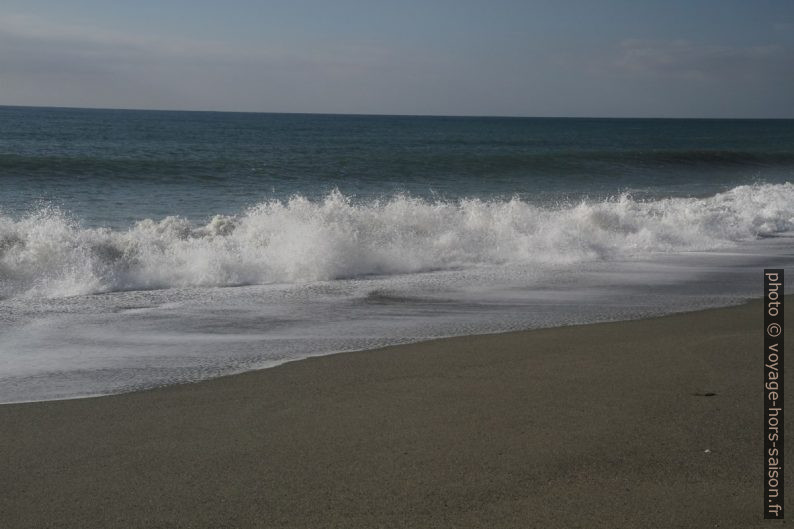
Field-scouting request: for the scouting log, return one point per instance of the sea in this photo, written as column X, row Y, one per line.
column 145, row 248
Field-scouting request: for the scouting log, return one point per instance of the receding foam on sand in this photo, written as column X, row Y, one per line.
column 605, row 425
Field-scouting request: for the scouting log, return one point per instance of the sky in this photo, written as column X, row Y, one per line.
column 611, row 58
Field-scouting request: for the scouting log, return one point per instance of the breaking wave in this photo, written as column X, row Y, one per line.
column 48, row 254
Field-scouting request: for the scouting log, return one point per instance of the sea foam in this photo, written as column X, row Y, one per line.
column 48, row 254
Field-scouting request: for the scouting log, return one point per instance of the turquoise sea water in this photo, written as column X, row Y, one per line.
column 143, row 248
column 112, row 167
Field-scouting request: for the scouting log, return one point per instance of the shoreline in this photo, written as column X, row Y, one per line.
column 381, row 348
column 595, row 425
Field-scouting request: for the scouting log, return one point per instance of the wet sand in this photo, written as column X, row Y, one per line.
column 603, row 425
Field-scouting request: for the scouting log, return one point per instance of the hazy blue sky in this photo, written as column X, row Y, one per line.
column 498, row 57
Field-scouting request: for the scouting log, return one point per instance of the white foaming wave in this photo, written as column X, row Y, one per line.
column 47, row 254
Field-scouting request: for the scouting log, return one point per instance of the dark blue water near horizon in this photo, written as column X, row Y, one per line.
column 114, row 167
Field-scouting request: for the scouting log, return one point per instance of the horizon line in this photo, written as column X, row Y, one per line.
column 364, row 114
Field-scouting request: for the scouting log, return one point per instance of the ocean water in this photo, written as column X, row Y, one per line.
column 143, row 248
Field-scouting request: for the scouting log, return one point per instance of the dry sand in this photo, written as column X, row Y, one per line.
column 593, row 426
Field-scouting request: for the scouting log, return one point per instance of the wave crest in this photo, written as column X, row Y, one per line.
column 48, row 254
